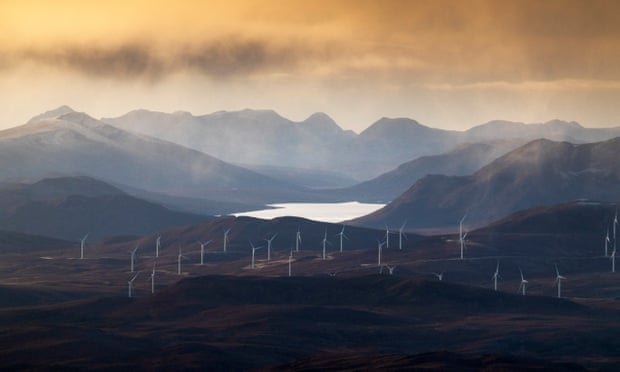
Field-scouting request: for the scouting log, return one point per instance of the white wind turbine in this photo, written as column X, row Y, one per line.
column 130, row 284
column 290, row 260
column 297, row 240
column 387, row 236
column 523, row 283
column 180, row 257
column 342, row 235
column 157, row 245
column 496, row 276
column 607, row 241
column 379, row 249
column 133, row 257
column 558, row 280
column 254, row 249
column 390, row 269
column 401, row 234
column 153, row 278
column 269, row 246
column 613, row 261
column 82, row 243
column 325, row 242
column 462, row 235
column 226, row 239
column 439, row 276
column 202, row 251
column 615, row 225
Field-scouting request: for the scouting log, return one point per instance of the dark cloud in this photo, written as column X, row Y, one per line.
column 217, row 59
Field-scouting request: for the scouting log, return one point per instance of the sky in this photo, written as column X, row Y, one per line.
column 449, row 64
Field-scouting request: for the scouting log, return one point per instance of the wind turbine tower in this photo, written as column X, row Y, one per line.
column 558, row 279
column 157, row 245
column 153, row 278
column 290, row 260
column 387, row 236
column 202, row 251
column 523, row 283
column 615, row 225
column 613, row 261
column 401, row 234
column 180, row 257
column 254, row 249
column 462, row 235
column 496, row 276
column 342, row 235
column 226, row 239
column 379, row 249
column 607, row 241
column 325, row 242
column 269, row 246
column 133, row 257
column 82, row 244
column 130, row 284
column 297, row 240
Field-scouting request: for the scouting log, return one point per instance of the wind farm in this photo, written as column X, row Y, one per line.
column 309, row 186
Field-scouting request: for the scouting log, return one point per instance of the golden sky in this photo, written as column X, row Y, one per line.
column 446, row 63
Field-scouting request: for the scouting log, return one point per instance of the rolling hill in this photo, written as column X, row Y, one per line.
column 70, row 207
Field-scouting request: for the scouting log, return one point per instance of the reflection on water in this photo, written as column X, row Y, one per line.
column 325, row 212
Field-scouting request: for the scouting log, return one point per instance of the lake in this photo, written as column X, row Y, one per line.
column 324, row 212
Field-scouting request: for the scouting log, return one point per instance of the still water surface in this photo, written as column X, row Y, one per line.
column 324, row 212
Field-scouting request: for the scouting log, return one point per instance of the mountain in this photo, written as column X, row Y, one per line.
column 254, row 137
column 461, row 161
column 539, row 173
column 76, row 144
column 555, row 130
column 264, row 138
column 68, row 208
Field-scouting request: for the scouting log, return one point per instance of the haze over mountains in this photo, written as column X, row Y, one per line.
column 540, row 173
column 262, row 137
column 76, row 144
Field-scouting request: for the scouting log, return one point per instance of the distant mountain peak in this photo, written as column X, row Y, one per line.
column 52, row 114
column 322, row 121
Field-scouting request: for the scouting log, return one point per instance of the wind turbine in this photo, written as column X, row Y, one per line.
column 387, row 236
column 613, row 261
column 523, row 283
column 157, row 245
column 179, row 258
column 202, row 251
column 325, row 242
column 558, row 280
column 254, row 249
column 82, row 243
column 439, row 276
column 496, row 276
column 226, row 239
column 269, row 246
column 615, row 224
column 390, row 269
column 153, row 278
column 297, row 240
column 462, row 235
column 133, row 256
column 290, row 260
column 130, row 284
column 342, row 235
column 379, row 248
column 607, row 241
column 401, row 234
